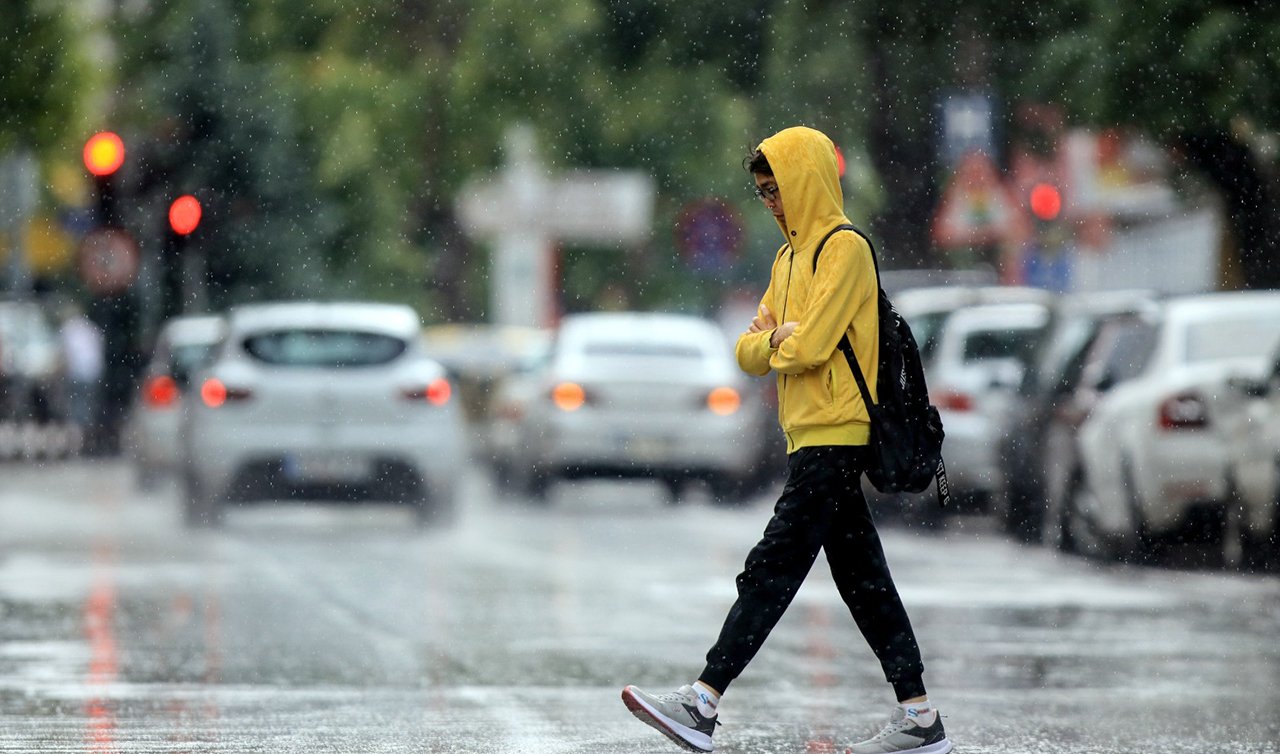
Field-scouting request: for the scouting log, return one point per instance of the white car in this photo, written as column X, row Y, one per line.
column 973, row 375
column 322, row 399
column 151, row 430
column 927, row 309
column 1152, row 462
column 633, row 395
column 1251, row 429
column 30, row 362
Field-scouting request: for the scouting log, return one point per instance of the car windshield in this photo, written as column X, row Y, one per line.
column 1231, row 338
column 925, row 329
column 1121, row 351
column 323, row 348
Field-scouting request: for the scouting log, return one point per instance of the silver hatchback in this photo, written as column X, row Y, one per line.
column 332, row 400
column 634, row 395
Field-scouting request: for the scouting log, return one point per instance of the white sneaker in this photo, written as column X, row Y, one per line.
column 904, row 735
column 674, row 715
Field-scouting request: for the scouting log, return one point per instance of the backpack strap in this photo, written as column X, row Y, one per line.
column 844, row 345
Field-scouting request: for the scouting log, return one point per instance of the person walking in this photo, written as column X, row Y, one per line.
column 82, row 354
column 801, row 319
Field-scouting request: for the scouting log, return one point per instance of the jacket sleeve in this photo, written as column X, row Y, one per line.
column 753, row 349
column 844, row 281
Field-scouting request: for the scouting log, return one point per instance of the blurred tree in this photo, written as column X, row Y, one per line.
column 217, row 123
column 1200, row 75
column 46, row 82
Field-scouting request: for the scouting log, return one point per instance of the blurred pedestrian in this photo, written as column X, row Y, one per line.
column 822, row 506
column 82, row 354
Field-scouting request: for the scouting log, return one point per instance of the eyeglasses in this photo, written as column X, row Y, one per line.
column 766, row 192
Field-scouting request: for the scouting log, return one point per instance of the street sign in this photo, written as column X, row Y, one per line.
column 108, row 261
column 526, row 210
column 709, row 235
column 977, row 208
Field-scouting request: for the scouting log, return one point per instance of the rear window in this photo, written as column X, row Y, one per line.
column 1231, row 338
column 635, row 349
column 323, row 348
column 1000, row 344
column 186, row 359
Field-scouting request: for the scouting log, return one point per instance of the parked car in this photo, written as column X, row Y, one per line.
column 30, row 362
column 322, row 400
column 1039, row 431
column 927, row 309
column 1251, row 430
column 151, row 430
column 633, row 395
column 978, row 363
column 1152, row 463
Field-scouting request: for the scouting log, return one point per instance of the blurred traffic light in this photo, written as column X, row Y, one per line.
column 103, row 154
column 1046, row 201
column 184, row 215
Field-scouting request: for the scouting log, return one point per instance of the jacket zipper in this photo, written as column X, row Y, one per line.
column 791, row 261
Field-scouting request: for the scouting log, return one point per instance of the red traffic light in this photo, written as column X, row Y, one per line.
column 1046, row 201
column 840, row 164
column 103, row 154
column 184, row 214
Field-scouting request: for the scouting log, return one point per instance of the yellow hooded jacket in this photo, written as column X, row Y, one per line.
column 818, row 399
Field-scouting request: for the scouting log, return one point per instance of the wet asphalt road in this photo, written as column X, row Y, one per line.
column 344, row 629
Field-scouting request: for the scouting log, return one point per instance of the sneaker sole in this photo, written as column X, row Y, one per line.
column 938, row 747
column 679, row 734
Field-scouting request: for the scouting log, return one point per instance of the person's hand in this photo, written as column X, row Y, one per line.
column 782, row 332
column 762, row 321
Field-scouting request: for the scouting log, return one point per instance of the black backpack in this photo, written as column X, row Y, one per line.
column 906, row 431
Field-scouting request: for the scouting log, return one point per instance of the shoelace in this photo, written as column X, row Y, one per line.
column 681, row 697
column 893, row 726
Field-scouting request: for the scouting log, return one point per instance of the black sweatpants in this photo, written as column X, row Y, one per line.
column 822, row 506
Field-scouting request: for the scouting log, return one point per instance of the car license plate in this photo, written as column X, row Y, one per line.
column 648, row 448
column 326, row 468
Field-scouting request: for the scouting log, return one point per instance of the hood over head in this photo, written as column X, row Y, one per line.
column 804, row 165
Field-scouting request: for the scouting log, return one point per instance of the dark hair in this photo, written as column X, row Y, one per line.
column 758, row 163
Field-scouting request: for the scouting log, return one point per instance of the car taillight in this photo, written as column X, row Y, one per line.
column 215, row 393
column 160, row 391
column 568, row 396
column 437, row 393
column 1184, row 411
column 953, row 400
column 723, row 401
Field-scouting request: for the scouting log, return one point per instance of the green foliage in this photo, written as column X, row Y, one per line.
column 46, row 82
column 1165, row 66
column 331, row 137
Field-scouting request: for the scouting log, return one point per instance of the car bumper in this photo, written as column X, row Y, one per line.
column 221, row 455
column 701, row 444
column 970, row 451
column 1177, row 475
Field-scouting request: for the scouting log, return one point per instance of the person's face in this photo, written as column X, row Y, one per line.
column 767, row 190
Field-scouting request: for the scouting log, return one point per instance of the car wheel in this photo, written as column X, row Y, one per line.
column 1084, row 537
column 1057, row 525
column 1134, row 544
column 728, row 490
column 147, row 478
column 201, row 509
column 1237, row 543
column 438, row 509
column 921, row 511
column 1017, row 517
column 536, row 485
